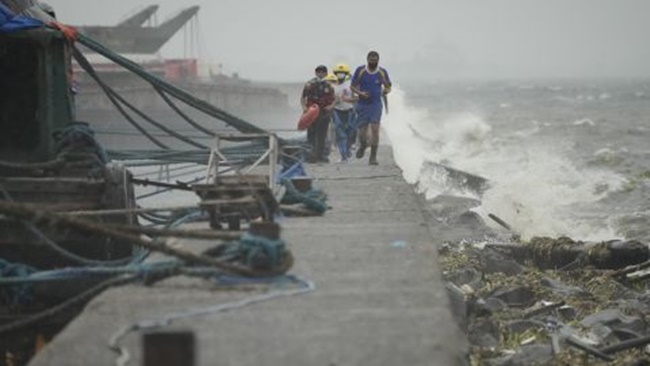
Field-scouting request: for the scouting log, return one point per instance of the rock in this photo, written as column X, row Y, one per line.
column 467, row 276
column 484, row 333
column 614, row 319
column 482, row 308
column 568, row 313
column 562, row 289
column 494, row 263
column 518, row 296
column 469, row 219
column 495, row 305
column 458, row 302
column 625, row 334
column 603, row 333
column 640, row 305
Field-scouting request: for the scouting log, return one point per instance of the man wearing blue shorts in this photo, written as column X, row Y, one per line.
column 371, row 83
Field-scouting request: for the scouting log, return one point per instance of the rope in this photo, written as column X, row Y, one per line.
column 253, row 251
column 314, row 199
column 185, row 117
column 83, row 62
column 79, row 138
column 172, row 90
column 45, row 218
column 107, row 89
column 123, row 355
column 9, row 271
column 64, row 252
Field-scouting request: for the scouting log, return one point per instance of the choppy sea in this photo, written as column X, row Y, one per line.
column 561, row 158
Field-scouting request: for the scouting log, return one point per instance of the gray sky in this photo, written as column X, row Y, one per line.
column 283, row 40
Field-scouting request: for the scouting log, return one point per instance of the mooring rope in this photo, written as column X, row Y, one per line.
column 66, row 253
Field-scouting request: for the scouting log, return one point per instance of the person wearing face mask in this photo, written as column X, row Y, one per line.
column 319, row 74
column 343, row 116
column 318, row 91
column 371, row 83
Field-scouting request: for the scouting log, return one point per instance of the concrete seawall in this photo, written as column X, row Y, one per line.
column 379, row 299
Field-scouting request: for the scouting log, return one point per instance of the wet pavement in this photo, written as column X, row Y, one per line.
column 378, row 298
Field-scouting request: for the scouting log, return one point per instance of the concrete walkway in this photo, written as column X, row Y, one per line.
column 379, row 299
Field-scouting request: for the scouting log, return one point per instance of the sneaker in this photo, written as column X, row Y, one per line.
column 373, row 162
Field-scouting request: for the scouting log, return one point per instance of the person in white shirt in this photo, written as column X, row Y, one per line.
column 343, row 116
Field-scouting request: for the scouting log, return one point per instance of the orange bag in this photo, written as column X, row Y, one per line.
column 308, row 117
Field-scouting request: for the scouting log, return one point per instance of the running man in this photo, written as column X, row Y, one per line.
column 371, row 83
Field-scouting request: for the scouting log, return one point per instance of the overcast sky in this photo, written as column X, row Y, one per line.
column 283, row 40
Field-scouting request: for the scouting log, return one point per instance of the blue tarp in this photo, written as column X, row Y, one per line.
column 10, row 22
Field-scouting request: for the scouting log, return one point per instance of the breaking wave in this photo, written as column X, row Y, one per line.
column 531, row 184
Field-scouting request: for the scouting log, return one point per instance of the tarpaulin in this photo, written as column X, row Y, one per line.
column 10, row 22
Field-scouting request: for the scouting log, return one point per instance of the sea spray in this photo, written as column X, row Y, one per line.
column 532, row 185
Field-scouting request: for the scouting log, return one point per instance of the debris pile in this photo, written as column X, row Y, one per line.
column 551, row 301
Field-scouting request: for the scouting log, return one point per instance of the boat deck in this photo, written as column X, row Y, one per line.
column 378, row 297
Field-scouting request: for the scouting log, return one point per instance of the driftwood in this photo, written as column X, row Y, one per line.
column 563, row 252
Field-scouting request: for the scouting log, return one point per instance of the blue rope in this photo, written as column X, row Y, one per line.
column 314, row 199
column 254, row 251
column 19, row 295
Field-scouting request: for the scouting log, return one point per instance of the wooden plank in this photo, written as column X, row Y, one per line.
column 63, row 206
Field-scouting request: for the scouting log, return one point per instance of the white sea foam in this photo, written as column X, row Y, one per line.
column 532, row 184
column 584, row 122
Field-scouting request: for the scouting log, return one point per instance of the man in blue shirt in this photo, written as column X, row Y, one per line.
column 371, row 83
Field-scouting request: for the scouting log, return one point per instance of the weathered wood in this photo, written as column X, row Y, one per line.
column 64, row 206
column 256, row 199
column 53, row 185
column 193, row 234
column 500, row 222
column 207, row 203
